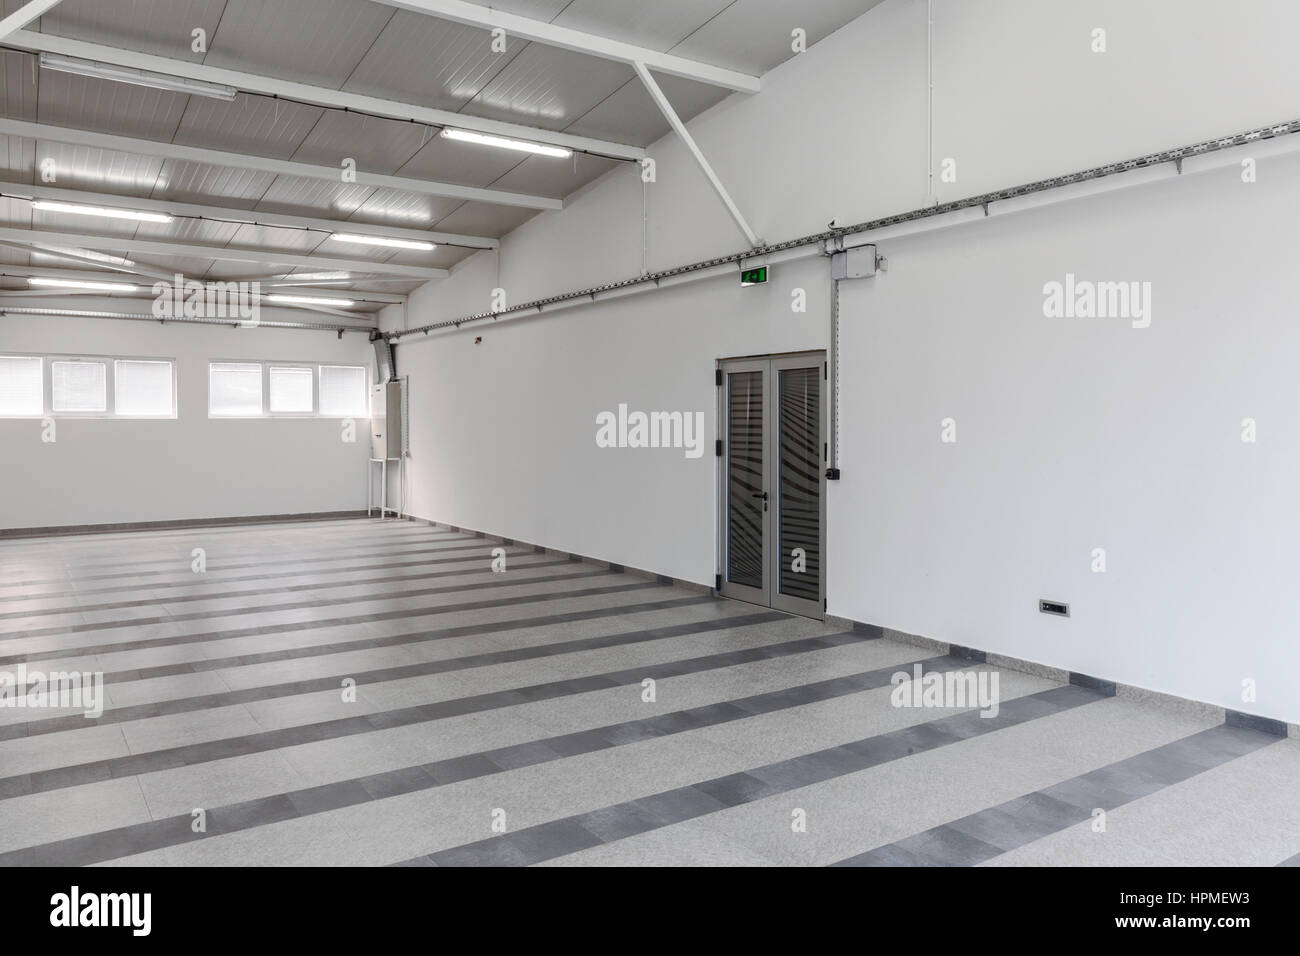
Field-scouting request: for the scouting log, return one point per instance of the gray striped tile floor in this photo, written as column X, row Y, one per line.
column 357, row 692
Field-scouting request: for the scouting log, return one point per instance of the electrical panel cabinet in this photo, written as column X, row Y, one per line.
column 386, row 420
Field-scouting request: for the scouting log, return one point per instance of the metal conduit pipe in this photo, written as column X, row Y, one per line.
column 1178, row 156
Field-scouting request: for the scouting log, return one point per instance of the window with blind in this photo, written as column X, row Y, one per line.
column 343, row 391
column 235, row 389
column 143, row 388
column 290, row 390
column 22, row 386
column 79, row 386
column 86, row 387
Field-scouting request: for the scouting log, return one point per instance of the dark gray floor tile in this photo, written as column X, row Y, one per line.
column 549, row 840
column 523, row 755
column 619, row 821
column 675, row 806
column 949, row 847
column 460, row 768
column 331, row 796
column 737, row 788
column 396, row 782
column 496, row 851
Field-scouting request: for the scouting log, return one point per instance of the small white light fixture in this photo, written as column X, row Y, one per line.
column 384, row 241
column 83, row 284
column 75, row 209
column 523, row 146
column 128, row 74
column 309, row 300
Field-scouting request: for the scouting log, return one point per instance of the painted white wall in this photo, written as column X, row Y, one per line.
column 106, row 471
column 1073, row 434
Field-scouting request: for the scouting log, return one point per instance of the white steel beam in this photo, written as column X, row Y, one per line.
column 34, row 237
column 235, row 214
column 551, row 35
column 283, row 167
column 316, row 95
column 25, row 15
column 679, row 127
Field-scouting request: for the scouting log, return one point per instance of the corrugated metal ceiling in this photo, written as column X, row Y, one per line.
column 373, row 49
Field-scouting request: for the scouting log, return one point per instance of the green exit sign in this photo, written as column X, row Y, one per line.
column 753, row 276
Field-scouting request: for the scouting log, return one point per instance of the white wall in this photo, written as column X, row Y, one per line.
column 1072, row 434
column 111, row 471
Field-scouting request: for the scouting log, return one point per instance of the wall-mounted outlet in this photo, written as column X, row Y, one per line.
column 1059, row 608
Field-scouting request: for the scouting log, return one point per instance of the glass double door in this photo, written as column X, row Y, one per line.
column 773, row 482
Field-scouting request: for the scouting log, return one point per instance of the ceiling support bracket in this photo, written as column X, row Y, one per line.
column 679, row 127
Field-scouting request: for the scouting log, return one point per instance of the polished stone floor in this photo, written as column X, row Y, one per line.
column 366, row 693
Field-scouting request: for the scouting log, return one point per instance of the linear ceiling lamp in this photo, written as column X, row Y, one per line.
column 76, row 209
column 501, row 142
column 308, row 300
column 383, row 241
column 128, row 74
column 83, row 284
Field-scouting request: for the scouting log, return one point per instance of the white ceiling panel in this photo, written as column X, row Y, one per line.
column 456, row 162
column 658, row 25
column 753, row 36
column 185, row 181
column 545, row 176
column 378, row 145
column 191, row 267
column 98, row 170
column 161, row 27
column 251, row 124
column 17, row 158
column 392, row 207
column 205, row 231
column 311, row 41
column 429, row 61
column 313, row 197
column 485, row 219
column 107, row 107
column 17, row 85
column 15, row 213
column 299, row 242
column 632, row 116
column 549, row 87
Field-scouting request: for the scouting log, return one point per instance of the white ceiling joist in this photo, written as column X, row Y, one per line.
column 284, row 167
column 551, row 35
column 24, row 15
column 316, row 95
column 684, row 134
column 235, row 214
column 222, row 253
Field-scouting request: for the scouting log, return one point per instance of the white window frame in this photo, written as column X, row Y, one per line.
column 314, row 412
column 110, row 398
column 110, row 386
column 266, row 365
column 44, row 388
column 365, row 387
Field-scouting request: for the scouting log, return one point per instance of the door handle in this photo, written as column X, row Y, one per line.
column 759, row 494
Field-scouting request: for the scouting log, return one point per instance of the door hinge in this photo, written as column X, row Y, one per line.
column 717, row 376
column 717, row 582
column 717, row 448
column 825, row 371
column 823, row 604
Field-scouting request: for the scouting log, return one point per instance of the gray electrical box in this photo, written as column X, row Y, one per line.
column 858, row 263
column 386, row 420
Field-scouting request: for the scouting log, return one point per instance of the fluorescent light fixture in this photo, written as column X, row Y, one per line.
column 83, row 284
column 465, row 136
column 70, row 207
column 383, row 241
column 299, row 277
column 308, row 300
column 128, row 74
